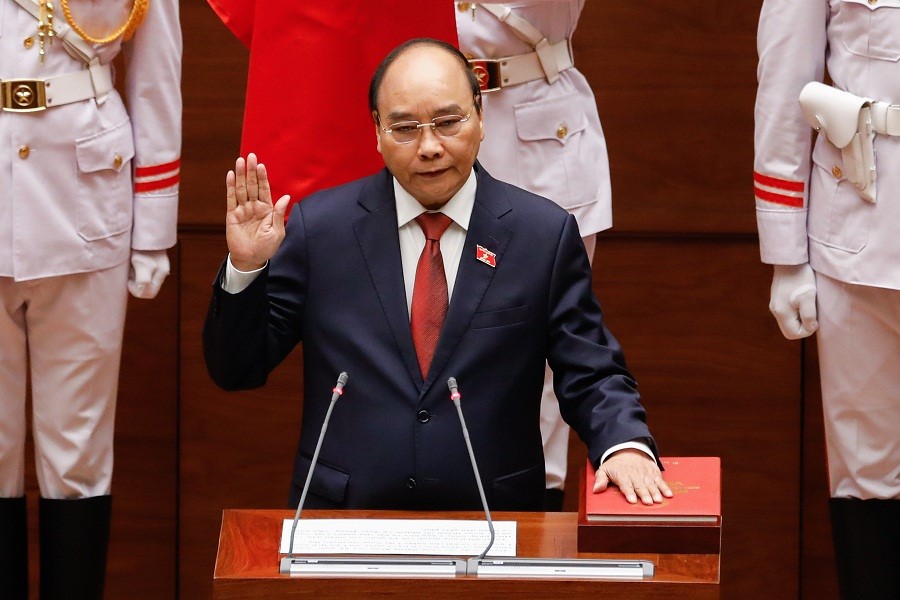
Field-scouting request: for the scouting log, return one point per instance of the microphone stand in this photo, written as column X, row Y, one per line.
column 342, row 565
column 455, row 396
column 539, row 567
column 337, row 392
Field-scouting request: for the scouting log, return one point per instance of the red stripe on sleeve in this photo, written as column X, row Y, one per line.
column 794, row 201
column 157, row 184
column 157, row 169
column 783, row 184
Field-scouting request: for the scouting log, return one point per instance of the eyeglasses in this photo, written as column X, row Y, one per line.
column 407, row 132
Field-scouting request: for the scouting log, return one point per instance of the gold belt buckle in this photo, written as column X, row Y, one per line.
column 488, row 73
column 23, row 95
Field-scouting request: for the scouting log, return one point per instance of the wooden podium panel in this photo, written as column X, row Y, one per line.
column 247, row 564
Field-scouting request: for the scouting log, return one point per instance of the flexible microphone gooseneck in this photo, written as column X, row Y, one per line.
column 455, row 396
column 335, row 394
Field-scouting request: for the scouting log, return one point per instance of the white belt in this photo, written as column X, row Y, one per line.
column 885, row 118
column 496, row 73
column 30, row 95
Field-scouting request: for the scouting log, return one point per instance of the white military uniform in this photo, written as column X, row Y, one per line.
column 546, row 138
column 808, row 212
column 87, row 181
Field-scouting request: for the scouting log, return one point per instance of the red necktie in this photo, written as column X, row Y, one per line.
column 430, row 298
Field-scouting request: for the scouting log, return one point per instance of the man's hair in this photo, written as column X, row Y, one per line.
column 378, row 77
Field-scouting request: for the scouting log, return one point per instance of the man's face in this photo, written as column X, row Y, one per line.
column 423, row 83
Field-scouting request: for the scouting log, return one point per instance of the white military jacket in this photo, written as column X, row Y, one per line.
column 85, row 182
column 545, row 138
column 807, row 211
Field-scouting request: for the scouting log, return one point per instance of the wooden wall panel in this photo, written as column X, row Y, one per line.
column 237, row 449
column 142, row 563
column 717, row 378
column 675, row 85
column 213, row 83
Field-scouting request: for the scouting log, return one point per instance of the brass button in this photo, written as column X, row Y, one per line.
column 28, row 42
column 24, row 152
column 873, row 2
column 463, row 6
column 117, row 161
column 469, row 55
column 836, row 171
column 562, row 131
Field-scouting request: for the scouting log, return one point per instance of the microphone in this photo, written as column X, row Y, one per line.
column 455, row 396
column 532, row 567
column 336, row 393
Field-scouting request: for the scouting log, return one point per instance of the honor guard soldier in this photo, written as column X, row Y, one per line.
column 89, row 202
column 827, row 184
column 543, row 134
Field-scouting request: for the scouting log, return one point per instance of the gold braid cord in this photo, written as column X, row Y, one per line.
column 138, row 12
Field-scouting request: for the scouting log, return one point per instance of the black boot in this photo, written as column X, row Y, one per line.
column 74, row 537
column 13, row 549
column 866, row 547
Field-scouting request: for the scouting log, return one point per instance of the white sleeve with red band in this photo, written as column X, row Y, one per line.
column 791, row 42
column 153, row 94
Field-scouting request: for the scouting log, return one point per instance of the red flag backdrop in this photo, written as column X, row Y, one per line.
column 306, row 114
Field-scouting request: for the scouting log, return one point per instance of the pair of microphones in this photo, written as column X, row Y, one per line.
column 336, row 393
column 517, row 567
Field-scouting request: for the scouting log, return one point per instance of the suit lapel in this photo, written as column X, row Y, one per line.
column 376, row 233
column 473, row 276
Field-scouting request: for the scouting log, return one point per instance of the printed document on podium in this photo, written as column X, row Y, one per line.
column 438, row 537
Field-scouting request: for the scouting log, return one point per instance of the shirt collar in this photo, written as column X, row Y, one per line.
column 458, row 208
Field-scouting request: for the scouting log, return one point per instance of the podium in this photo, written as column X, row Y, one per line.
column 247, row 564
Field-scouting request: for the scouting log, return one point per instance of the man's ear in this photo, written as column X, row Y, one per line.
column 377, row 132
column 479, row 110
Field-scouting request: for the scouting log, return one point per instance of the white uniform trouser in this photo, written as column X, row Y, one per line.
column 554, row 431
column 859, row 359
column 68, row 329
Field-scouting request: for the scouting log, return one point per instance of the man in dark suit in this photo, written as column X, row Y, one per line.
column 347, row 278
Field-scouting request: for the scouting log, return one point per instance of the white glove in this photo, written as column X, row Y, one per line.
column 793, row 300
column 148, row 270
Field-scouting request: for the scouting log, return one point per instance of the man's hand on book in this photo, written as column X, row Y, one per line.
column 636, row 475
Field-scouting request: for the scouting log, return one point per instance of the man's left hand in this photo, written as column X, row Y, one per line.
column 636, row 474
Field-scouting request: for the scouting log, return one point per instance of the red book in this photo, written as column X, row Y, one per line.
column 688, row 523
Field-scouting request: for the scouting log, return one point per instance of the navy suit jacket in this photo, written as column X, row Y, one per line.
column 394, row 441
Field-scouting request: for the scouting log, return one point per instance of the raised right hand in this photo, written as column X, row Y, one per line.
column 254, row 226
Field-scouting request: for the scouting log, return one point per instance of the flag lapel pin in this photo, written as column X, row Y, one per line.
column 485, row 256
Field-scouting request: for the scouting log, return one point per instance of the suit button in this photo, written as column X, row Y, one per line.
column 24, row 152
column 463, row 6
column 117, row 161
column 873, row 2
column 423, row 416
column 411, row 483
column 562, row 131
column 28, row 42
column 836, row 171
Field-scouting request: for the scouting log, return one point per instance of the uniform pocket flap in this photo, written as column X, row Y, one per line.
column 876, row 5
column 828, row 158
column 110, row 149
column 553, row 119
